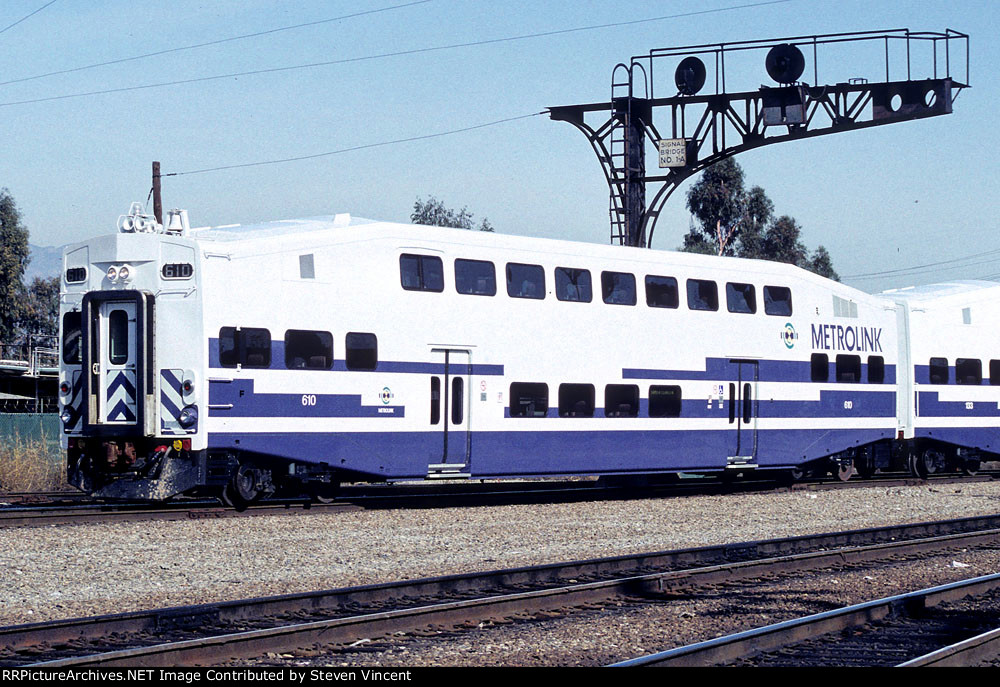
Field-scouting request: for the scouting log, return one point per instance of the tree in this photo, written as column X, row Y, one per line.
column 40, row 311
column 435, row 214
column 730, row 219
column 13, row 259
column 727, row 219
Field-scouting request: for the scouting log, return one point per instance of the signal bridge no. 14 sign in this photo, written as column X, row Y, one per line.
column 673, row 152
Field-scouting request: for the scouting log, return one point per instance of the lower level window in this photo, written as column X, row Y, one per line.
column 529, row 399
column 664, row 401
column 576, row 400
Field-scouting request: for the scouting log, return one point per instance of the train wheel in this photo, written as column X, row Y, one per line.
column 845, row 471
column 244, row 488
column 796, row 474
column 925, row 464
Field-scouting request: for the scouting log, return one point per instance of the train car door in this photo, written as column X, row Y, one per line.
column 743, row 414
column 450, row 393
column 116, row 363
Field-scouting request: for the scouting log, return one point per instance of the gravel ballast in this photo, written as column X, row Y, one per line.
column 67, row 571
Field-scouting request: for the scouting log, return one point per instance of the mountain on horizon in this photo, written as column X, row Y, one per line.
column 46, row 262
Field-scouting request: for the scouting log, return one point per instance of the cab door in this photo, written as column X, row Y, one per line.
column 118, row 354
column 117, row 362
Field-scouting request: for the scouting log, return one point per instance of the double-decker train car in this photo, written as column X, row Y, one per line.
column 295, row 355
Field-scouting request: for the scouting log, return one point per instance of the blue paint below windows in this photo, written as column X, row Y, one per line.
column 406, row 455
column 928, row 405
column 240, row 394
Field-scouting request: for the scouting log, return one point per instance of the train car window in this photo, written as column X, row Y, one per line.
column 621, row 400
column 778, row 301
column 618, row 288
column 876, row 369
column 362, row 351
column 968, row 371
column 256, row 348
column 475, row 277
column 576, row 400
column 661, row 292
column 573, row 285
column 747, row 403
column 939, row 370
column 741, row 298
column 229, row 355
column 819, row 367
column 457, row 400
column 72, row 334
column 118, row 337
column 435, row 400
column 702, row 294
column 525, row 281
column 308, row 350
column 848, row 368
column 995, row 372
column 421, row 272
column 529, row 399
column 664, row 401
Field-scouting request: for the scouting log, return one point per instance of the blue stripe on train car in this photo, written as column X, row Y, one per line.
column 406, row 455
column 723, row 369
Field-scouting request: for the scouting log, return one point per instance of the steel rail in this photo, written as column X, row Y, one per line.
column 960, row 654
column 771, row 637
column 343, row 630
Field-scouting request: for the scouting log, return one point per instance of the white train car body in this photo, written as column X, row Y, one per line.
column 952, row 400
column 335, row 349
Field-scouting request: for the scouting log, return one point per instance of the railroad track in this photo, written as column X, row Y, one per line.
column 426, row 496
column 948, row 625
column 216, row 633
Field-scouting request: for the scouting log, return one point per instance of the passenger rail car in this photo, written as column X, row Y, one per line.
column 295, row 355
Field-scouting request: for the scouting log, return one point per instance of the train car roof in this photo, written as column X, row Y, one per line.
column 934, row 292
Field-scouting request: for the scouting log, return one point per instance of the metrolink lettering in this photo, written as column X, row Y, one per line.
column 835, row 337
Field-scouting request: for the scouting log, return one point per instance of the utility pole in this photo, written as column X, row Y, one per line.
column 157, row 199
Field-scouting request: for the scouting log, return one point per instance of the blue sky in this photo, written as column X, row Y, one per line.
column 883, row 199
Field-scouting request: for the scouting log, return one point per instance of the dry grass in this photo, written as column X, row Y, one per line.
column 29, row 465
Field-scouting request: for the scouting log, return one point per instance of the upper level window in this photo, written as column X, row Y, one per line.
column 308, row 350
column 618, row 288
column 362, row 351
column 247, row 347
column 525, row 281
column 661, row 292
column 741, row 298
column 939, row 371
column 421, row 272
column 573, row 285
column 475, row 277
column 995, row 372
column 702, row 294
column 778, row 300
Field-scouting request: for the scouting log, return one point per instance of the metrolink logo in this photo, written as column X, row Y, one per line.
column 835, row 337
